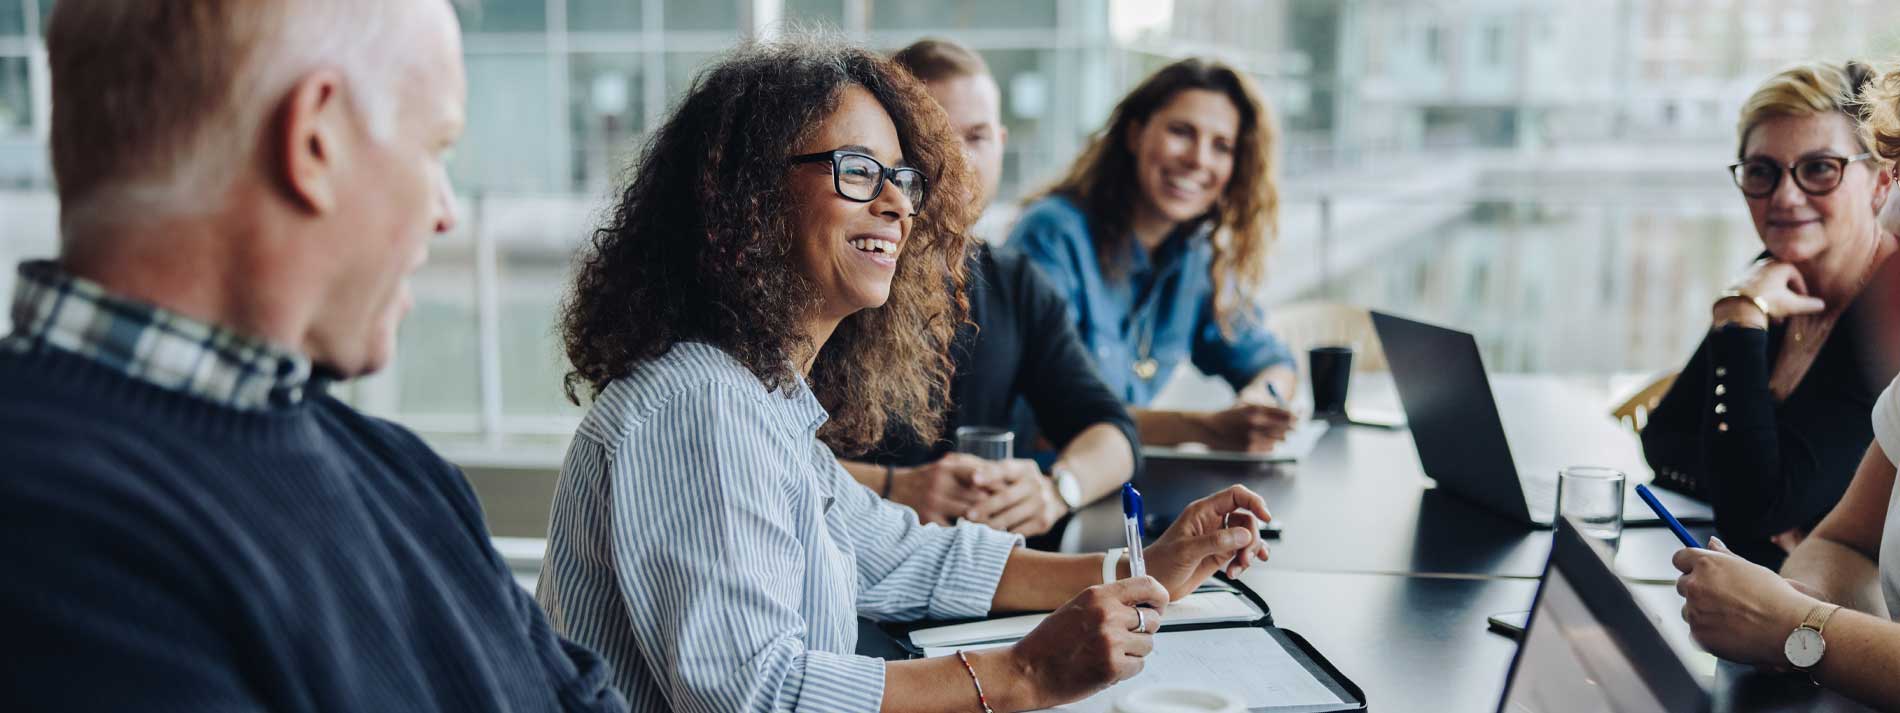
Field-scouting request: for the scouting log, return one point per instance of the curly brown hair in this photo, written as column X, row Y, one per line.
column 700, row 246
column 1880, row 128
column 1245, row 220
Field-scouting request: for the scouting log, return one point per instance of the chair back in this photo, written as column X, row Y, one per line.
column 1304, row 325
column 1634, row 412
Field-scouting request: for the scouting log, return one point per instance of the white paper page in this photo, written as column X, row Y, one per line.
column 1197, row 608
column 1300, row 441
column 1248, row 663
column 1298, row 446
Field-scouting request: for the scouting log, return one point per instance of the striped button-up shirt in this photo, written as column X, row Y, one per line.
column 53, row 309
column 711, row 548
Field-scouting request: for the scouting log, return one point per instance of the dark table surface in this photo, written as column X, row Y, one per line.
column 1362, row 503
column 1392, row 579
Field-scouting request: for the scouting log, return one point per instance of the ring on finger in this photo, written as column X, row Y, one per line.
column 1141, row 620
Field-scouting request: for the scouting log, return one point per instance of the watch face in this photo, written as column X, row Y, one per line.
column 1804, row 648
column 1069, row 489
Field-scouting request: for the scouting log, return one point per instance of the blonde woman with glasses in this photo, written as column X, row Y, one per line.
column 1767, row 420
column 1827, row 613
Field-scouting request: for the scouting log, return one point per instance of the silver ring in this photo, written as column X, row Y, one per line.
column 1141, row 621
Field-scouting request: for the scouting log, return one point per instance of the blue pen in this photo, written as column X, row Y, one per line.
column 1275, row 393
column 1131, row 526
column 1662, row 512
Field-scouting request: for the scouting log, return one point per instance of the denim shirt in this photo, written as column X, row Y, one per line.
column 1163, row 306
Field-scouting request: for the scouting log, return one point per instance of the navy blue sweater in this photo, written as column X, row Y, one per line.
column 161, row 553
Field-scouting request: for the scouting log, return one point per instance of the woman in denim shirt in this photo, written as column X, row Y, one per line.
column 1158, row 235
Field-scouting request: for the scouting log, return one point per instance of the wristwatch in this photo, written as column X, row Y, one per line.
column 1067, row 487
column 1805, row 646
column 1111, row 565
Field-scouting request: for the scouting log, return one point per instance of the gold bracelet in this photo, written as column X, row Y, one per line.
column 1759, row 303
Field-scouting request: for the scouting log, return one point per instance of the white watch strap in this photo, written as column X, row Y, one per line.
column 1111, row 563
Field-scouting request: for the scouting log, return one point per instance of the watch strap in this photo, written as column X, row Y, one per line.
column 1818, row 617
column 1111, row 564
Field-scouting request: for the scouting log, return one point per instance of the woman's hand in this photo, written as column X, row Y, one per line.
column 1736, row 609
column 1215, row 532
column 943, row 491
column 1090, row 643
column 1778, row 284
column 1249, row 427
column 1026, row 503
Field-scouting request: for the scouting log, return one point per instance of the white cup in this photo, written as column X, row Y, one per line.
column 1178, row 700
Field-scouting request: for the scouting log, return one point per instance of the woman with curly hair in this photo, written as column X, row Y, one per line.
column 1159, row 235
column 776, row 282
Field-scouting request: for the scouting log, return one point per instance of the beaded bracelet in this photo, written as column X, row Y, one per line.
column 980, row 698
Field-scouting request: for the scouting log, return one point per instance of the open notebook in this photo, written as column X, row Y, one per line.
column 1298, row 446
column 1207, row 607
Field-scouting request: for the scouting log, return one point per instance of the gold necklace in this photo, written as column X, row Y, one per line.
column 1794, row 323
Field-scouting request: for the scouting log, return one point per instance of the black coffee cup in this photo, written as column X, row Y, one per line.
column 1330, row 368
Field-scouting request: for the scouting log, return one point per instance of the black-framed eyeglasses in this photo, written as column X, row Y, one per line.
column 1814, row 175
column 859, row 177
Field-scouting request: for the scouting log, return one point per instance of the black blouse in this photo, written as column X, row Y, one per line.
column 1020, row 347
column 1766, row 467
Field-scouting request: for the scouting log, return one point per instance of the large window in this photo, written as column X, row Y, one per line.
column 962, row 14
column 16, row 98
column 604, row 15
column 1400, row 121
column 606, row 112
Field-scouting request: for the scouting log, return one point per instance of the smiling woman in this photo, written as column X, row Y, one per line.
column 1768, row 419
column 1158, row 236
column 712, row 242
column 777, row 284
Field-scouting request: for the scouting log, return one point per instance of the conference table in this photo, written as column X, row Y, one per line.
column 1392, row 579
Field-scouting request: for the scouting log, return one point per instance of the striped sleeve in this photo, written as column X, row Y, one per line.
column 909, row 571
column 709, row 564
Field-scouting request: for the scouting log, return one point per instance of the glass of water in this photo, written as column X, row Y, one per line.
column 1592, row 498
column 986, row 442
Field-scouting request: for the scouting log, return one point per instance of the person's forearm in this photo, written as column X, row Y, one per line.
column 1863, row 651
column 1840, row 573
column 941, row 684
column 1751, row 480
column 1101, row 458
column 871, row 475
column 1042, row 581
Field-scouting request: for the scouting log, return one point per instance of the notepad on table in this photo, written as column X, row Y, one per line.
column 1250, row 663
column 1298, row 446
column 1199, row 608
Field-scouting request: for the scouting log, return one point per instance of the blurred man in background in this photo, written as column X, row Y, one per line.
column 1022, row 348
column 193, row 521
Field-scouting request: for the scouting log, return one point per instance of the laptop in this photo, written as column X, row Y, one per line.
column 1590, row 647
column 1461, row 437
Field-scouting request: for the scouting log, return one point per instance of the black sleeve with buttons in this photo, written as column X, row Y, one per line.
column 1765, row 467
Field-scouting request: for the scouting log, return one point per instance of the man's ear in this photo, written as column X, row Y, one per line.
column 309, row 141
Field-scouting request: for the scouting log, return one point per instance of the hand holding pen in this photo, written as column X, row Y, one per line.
column 1218, row 532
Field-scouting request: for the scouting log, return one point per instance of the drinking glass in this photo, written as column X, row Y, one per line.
column 1592, row 498
column 986, row 442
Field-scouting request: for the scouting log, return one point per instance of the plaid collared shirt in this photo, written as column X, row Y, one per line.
column 52, row 309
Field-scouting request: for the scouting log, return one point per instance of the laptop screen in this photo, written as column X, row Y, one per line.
column 1590, row 647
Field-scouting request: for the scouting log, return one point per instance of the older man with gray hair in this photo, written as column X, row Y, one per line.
column 190, row 521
